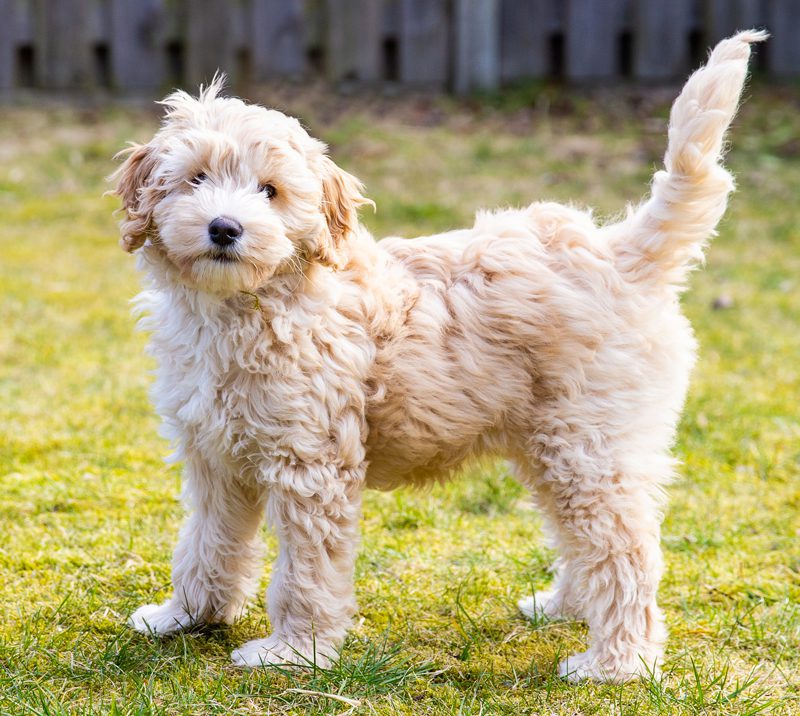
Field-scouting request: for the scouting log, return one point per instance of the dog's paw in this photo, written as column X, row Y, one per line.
column 581, row 667
column 158, row 619
column 587, row 667
column 274, row 651
column 542, row 606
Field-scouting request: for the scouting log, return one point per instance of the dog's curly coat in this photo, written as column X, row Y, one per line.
column 300, row 361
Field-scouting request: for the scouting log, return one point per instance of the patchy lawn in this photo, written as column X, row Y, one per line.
column 89, row 510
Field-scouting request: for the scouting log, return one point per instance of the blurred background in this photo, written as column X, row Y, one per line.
column 441, row 107
column 144, row 46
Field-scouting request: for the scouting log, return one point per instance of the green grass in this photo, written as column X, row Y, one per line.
column 88, row 509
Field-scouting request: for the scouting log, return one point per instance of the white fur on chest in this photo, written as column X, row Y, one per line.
column 253, row 381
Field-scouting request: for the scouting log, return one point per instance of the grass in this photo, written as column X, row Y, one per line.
column 88, row 509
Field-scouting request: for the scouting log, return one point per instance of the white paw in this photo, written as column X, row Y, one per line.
column 274, row 651
column 585, row 666
column 580, row 667
column 541, row 605
column 157, row 619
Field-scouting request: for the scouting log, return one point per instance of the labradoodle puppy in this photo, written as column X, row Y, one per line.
column 299, row 362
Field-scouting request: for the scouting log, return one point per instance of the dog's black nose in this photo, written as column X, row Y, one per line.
column 223, row 231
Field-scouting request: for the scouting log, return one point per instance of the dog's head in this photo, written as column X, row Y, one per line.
column 232, row 194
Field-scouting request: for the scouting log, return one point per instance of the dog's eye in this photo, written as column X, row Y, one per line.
column 198, row 179
column 268, row 189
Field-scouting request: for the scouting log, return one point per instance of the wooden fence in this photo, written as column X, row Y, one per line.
column 147, row 46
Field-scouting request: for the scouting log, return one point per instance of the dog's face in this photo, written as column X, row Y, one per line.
column 233, row 194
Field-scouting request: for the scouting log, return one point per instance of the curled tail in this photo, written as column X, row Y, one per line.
column 662, row 238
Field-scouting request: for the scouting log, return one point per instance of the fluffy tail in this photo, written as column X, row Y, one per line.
column 661, row 239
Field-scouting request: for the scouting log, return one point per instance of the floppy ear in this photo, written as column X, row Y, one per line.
column 133, row 180
column 341, row 197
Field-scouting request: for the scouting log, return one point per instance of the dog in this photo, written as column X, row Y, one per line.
column 300, row 361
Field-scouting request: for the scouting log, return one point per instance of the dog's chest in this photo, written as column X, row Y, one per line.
column 246, row 388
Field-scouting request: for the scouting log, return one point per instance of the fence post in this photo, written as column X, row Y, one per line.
column 210, row 42
column 783, row 51
column 354, row 40
column 63, row 50
column 136, row 44
column 477, row 51
column 592, row 38
column 661, row 38
column 424, row 43
column 277, row 39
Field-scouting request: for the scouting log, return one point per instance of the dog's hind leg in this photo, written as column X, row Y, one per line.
column 606, row 525
column 216, row 560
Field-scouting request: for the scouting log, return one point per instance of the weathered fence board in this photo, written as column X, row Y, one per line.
column 23, row 22
column 7, row 49
column 424, row 43
column 525, row 28
column 354, row 40
column 784, row 48
column 144, row 46
column 64, row 57
column 661, row 38
column 137, row 54
column 390, row 17
column 477, row 44
column 593, row 32
column 210, row 41
column 99, row 21
column 278, row 39
column 724, row 17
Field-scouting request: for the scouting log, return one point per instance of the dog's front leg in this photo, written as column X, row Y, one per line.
column 314, row 511
column 216, row 560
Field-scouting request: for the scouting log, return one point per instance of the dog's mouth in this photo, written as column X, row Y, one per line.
column 222, row 257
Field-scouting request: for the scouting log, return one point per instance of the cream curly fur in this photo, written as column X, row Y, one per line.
column 306, row 361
